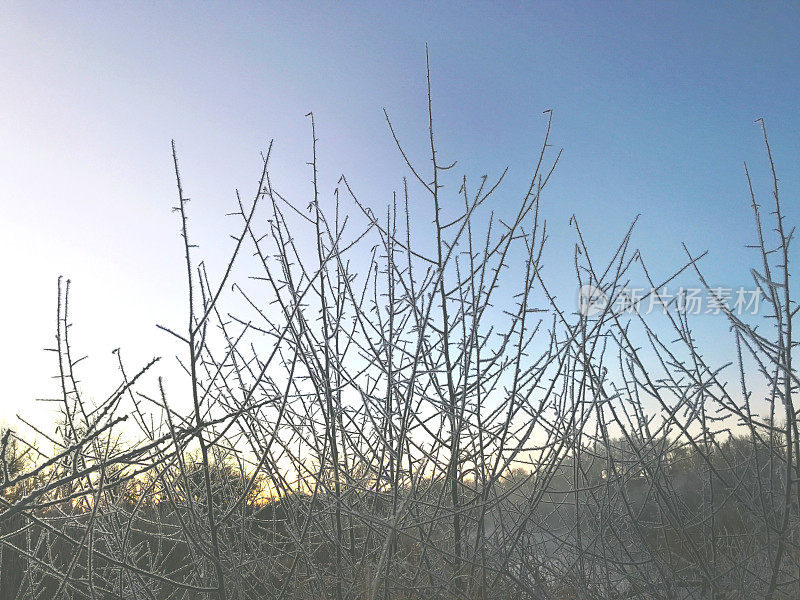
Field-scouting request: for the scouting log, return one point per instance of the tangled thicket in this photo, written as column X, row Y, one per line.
column 400, row 410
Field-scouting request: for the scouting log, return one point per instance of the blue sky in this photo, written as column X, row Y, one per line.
column 654, row 105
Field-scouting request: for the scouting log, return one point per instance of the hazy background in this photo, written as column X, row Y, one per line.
column 654, row 106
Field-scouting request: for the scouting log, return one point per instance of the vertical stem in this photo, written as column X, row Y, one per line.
column 193, row 357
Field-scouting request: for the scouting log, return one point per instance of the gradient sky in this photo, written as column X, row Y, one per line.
column 654, row 105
